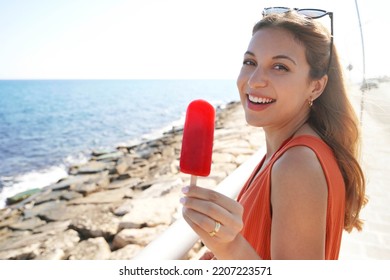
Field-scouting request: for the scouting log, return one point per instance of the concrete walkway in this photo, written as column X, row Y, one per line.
column 374, row 241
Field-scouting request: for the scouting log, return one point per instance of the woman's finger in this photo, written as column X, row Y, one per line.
column 206, row 228
column 213, row 211
column 215, row 197
column 204, row 222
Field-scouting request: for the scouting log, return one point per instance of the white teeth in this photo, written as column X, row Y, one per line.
column 260, row 100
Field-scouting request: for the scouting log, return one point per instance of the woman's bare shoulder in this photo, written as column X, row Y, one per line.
column 298, row 166
column 299, row 205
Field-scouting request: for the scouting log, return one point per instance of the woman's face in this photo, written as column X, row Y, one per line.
column 274, row 82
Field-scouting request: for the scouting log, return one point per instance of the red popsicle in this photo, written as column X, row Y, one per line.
column 198, row 137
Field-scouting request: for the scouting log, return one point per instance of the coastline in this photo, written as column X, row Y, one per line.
column 45, row 129
column 50, row 174
column 110, row 207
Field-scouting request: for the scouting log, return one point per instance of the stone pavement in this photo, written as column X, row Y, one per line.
column 374, row 241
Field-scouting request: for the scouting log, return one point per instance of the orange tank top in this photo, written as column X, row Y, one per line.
column 255, row 198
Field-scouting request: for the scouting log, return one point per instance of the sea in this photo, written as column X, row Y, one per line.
column 48, row 125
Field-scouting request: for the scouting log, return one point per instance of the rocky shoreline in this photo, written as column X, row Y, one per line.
column 119, row 201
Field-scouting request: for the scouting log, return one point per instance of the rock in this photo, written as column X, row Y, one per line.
column 7, row 235
column 141, row 236
column 9, row 220
column 145, row 152
column 95, row 221
column 226, row 167
column 123, row 164
column 109, row 196
column 207, row 182
column 129, row 183
column 126, row 253
column 45, row 209
column 56, row 247
column 62, row 212
column 50, row 196
column 54, row 254
column 69, row 182
column 197, row 251
column 5, row 213
column 92, row 167
column 237, row 151
column 86, row 188
column 16, row 242
column 168, row 152
column 28, row 224
column 240, row 159
column 91, row 249
column 124, row 208
column 223, row 157
column 21, row 196
column 4, row 233
column 162, row 187
column 140, row 163
column 52, row 227
column 174, row 130
column 23, row 253
column 69, row 195
column 97, row 153
column 93, row 183
column 144, row 185
column 110, row 156
column 147, row 212
column 138, row 173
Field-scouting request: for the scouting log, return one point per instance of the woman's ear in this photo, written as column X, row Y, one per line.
column 318, row 86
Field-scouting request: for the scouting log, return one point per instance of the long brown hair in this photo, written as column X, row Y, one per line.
column 332, row 115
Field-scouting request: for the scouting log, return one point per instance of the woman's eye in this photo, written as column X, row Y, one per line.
column 249, row 62
column 280, row 67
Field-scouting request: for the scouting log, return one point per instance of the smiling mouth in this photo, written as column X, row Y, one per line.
column 260, row 100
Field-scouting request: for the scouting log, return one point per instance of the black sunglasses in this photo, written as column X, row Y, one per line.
column 309, row 13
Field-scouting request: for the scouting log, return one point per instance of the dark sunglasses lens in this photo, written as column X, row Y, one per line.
column 312, row 13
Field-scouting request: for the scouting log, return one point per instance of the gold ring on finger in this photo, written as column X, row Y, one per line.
column 216, row 229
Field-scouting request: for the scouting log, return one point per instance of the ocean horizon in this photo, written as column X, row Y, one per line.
column 46, row 126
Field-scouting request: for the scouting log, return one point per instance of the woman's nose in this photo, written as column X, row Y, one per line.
column 258, row 78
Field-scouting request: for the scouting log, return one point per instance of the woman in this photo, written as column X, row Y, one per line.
column 309, row 185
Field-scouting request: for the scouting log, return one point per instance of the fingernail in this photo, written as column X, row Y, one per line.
column 183, row 200
column 185, row 189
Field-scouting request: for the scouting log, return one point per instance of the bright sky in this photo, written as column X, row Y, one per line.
column 119, row 39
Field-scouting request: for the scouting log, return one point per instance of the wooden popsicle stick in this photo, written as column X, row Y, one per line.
column 193, row 180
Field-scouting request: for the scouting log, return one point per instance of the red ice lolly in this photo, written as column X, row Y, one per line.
column 198, row 136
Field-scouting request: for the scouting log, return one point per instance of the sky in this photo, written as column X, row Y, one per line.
column 166, row 39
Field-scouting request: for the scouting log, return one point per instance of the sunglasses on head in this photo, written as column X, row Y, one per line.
column 309, row 13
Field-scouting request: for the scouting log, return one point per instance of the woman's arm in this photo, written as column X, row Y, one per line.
column 299, row 196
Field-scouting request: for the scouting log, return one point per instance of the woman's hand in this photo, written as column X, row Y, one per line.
column 203, row 209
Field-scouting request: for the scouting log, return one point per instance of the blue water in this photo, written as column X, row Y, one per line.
column 47, row 125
